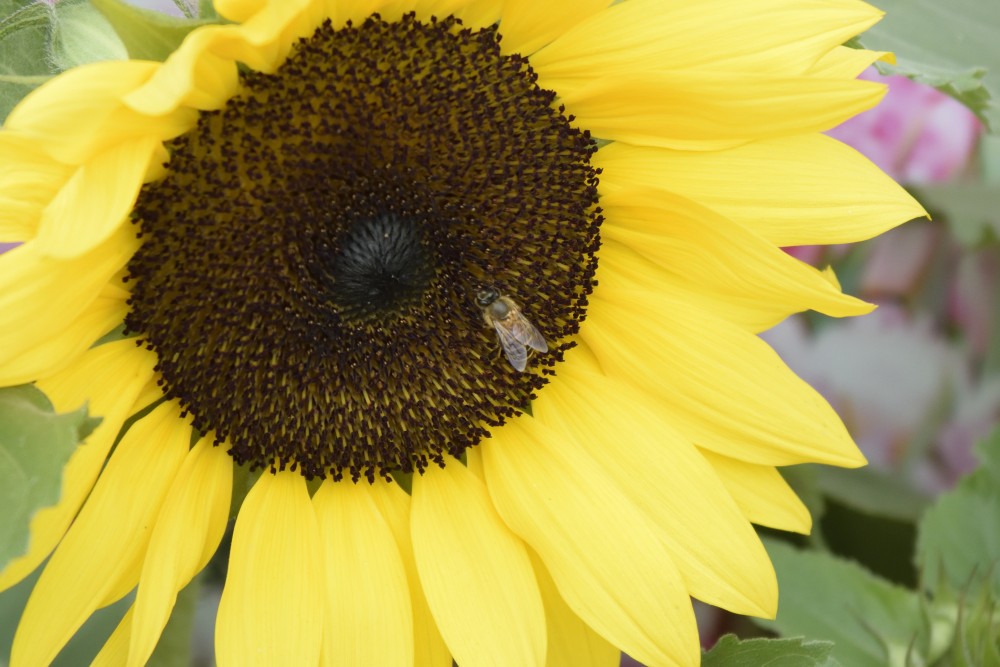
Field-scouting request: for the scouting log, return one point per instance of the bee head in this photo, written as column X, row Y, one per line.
column 486, row 296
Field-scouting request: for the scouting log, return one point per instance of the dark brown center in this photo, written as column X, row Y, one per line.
column 310, row 265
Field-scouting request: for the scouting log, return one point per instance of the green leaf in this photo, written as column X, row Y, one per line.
column 804, row 480
column 969, row 208
column 40, row 39
column 989, row 158
column 949, row 45
column 206, row 10
column 729, row 651
column 118, row 333
column 80, row 34
column 873, row 492
column 870, row 621
column 958, row 540
column 968, row 87
column 35, row 444
column 978, row 633
column 148, row 35
column 24, row 36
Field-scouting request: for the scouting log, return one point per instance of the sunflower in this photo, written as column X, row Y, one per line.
column 469, row 289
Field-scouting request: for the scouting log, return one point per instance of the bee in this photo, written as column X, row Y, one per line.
column 515, row 332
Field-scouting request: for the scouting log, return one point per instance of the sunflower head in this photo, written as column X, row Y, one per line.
column 520, row 250
column 310, row 263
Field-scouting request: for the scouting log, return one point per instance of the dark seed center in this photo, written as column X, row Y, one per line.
column 382, row 267
column 310, row 265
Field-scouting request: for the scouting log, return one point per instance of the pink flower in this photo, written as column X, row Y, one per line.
column 916, row 134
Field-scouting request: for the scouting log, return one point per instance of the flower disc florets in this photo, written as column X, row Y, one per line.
column 308, row 267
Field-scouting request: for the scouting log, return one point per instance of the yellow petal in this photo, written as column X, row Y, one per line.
column 29, row 178
column 429, row 649
column 709, row 539
column 265, row 40
column 713, row 110
column 722, row 387
column 580, row 524
column 192, row 77
column 528, row 25
column 40, row 295
column 102, row 377
column 201, row 73
column 474, row 462
column 67, row 344
column 622, row 266
column 80, row 113
column 778, row 36
column 188, row 530
column 571, row 641
column 369, row 619
column 98, row 560
column 110, row 377
column 271, row 611
column 239, row 11
column 96, row 200
column 792, row 191
column 762, row 494
column 472, row 567
column 708, row 254
column 844, row 62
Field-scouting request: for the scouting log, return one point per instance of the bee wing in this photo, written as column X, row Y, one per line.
column 513, row 349
column 526, row 333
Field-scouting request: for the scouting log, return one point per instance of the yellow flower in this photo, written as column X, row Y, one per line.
column 315, row 227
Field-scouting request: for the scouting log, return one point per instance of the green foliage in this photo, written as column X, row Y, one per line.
column 949, row 45
column 978, row 633
column 148, row 35
column 952, row 621
column 206, row 10
column 974, row 623
column 970, row 207
column 81, row 35
column 871, row 621
column 24, row 30
column 38, row 40
column 958, row 540
column 118, row 333
column 729, row 651
column 35, row 444
column 872, row 491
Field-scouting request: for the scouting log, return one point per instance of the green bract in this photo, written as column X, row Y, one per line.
column 35, row 443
